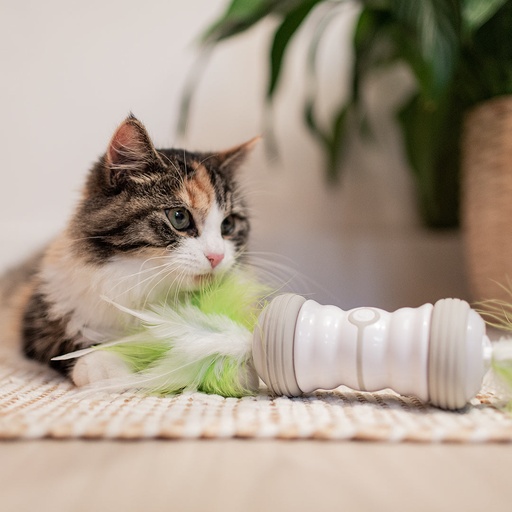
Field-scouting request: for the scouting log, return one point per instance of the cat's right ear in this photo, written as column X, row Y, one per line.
column 130, row 152
column 231, row 159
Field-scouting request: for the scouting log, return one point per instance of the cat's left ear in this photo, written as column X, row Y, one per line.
column 130, row 150
column 231, row 159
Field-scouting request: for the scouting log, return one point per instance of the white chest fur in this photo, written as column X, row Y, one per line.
column 77, row 292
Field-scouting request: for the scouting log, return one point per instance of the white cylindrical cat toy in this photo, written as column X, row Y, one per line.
column 437, row 353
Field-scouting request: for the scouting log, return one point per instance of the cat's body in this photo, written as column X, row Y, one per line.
column 150, row 223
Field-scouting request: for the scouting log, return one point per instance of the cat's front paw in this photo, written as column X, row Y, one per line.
column 99, row 366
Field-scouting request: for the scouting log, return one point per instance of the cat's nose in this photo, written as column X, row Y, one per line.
column 214, row 259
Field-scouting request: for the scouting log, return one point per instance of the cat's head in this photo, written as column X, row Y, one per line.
column 167, row 209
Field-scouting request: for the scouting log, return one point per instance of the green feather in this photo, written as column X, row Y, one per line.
column 498, row 314
column 222, row 378
column 501, row 365
column 219, row 317
column 140, row 356
column 241, row 300
column 503, row 370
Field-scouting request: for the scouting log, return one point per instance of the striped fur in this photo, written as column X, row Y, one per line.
column 120, row 243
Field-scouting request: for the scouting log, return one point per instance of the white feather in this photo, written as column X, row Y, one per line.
column 196, row 341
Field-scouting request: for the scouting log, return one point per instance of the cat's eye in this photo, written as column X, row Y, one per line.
column 179, row 218
column 228, row 225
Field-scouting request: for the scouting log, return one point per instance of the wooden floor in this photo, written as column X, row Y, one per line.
column 252, row 476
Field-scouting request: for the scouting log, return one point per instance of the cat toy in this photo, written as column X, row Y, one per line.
column 438, row 353
column 221, row 338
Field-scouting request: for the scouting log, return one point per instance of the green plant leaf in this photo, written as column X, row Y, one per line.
column 336, row 142
column 311, row 74
column 373, row 49
column 332, row 139
column 290, row 24
column 477, row 12
column 371, row 43
column 488, row 56
column 243, row 14
column 312, row 124
column 435, row 26
column 432, row 142
column 238, row 17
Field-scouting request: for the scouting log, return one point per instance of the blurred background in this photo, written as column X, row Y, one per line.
column 71, row 71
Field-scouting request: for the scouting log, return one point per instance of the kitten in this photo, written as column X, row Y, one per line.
column 150, row 223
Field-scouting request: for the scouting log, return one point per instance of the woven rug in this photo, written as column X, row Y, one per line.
column 36, row 403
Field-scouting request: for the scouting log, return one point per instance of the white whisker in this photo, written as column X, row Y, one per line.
column 161, row 280
column 140, row 271
column 165, row 269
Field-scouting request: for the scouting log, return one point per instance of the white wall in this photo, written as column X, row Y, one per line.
column 70, row 72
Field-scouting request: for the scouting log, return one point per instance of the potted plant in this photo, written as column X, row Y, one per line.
column 458, row 51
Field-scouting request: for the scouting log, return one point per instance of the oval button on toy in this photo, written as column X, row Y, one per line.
column 364, row 316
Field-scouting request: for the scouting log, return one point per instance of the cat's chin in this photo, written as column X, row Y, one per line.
column 203, row 279
column 197, row 281
column 194, row 282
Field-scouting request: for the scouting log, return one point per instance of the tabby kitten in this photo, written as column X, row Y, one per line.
column 150, row 223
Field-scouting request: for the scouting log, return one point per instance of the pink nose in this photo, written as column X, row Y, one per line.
column 214, row 259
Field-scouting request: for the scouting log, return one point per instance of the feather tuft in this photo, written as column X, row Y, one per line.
column 203, row 342
column 498, row 314
column 501, row 365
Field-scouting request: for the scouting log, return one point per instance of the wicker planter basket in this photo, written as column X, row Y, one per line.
column 487, row 198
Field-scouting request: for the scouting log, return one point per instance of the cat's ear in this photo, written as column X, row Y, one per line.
column 130, row 150
column 231, row 159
